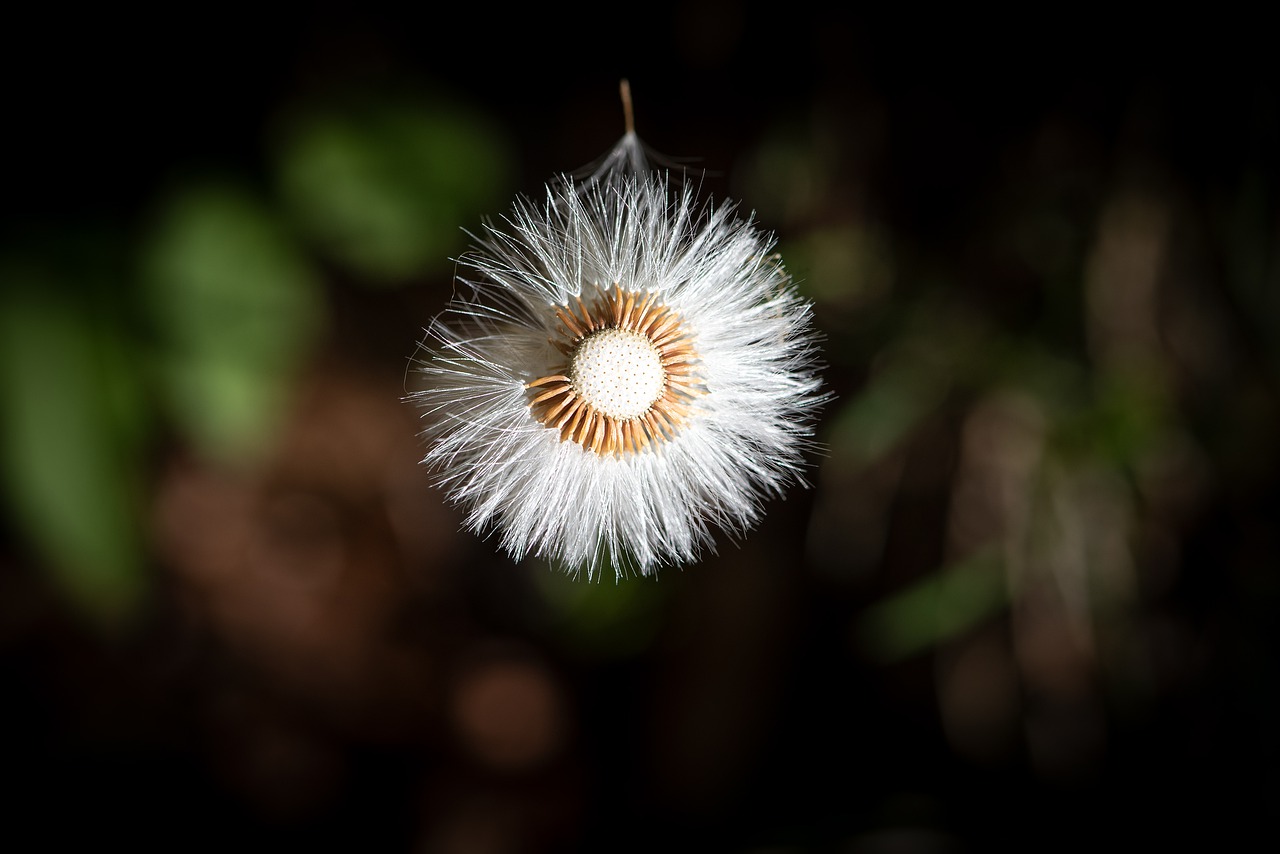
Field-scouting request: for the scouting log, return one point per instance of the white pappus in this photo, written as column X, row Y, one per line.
column 626, row 369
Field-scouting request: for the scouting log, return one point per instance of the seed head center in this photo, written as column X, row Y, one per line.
column 618, row 372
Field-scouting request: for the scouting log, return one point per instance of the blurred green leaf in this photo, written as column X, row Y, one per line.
column 935, row 609
column 385, row 187
column 893, row 403
column 235, row 306
column 69, row 452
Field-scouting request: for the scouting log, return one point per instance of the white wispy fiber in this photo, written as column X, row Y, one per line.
column 619, row 488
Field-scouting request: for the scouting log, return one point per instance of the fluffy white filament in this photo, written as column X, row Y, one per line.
column 748, row 430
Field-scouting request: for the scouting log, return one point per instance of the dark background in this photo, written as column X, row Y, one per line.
column 1028, row 602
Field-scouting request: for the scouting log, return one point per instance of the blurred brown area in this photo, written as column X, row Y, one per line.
column 1028, row 604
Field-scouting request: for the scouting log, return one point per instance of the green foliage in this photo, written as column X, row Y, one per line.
column 384, row 186
column 935, row 609
column 69, row 431
column 206, row 322
column 235, row 304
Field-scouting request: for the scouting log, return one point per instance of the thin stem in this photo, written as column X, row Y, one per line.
column 624, row 88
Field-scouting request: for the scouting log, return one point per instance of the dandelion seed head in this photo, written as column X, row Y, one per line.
column 629, row 370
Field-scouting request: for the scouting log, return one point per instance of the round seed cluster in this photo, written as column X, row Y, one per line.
column 618, row 372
